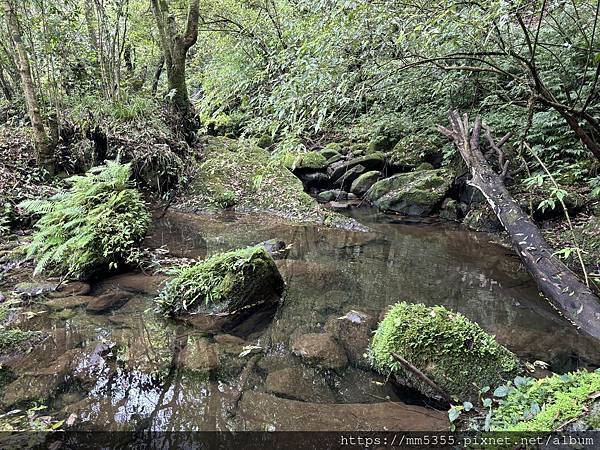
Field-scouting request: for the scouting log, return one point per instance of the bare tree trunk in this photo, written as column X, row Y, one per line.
column 175, row 47
column 45, row 152
column 565, row 292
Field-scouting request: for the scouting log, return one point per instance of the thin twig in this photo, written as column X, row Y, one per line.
column 422, row 376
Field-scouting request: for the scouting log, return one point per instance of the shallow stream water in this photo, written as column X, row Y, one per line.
column 129, row 369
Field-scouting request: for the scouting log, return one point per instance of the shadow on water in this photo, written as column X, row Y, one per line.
column 129, row 369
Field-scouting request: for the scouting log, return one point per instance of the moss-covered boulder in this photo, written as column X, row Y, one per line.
column 375, row 161
column 447, row 347
column 414, row 193
column 238, row 174
column 364, row 182
column 303, row 161
column 413, row 150
column 225, row 287
column 549, row 403
column 330, row 150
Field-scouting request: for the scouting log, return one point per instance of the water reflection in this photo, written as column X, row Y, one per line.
column 129, row 369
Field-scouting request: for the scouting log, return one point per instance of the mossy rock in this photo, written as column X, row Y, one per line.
column 304, row 161
column 238, row 174
column 15, row 340
column 450, row 349
column 413, row 150
column 548, row 403
column 226, row 283
column 331, row 149
column 414, row 194
column 386, row 137
column 364, row 182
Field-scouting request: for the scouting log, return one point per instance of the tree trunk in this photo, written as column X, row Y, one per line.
column 561, row 287
column 157, row 74
column 45, row 152
column 6, row 89
column 175, row 47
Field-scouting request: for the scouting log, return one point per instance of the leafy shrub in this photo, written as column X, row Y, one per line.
column 545, row 404
column 450, row 349
column 93, row 225
column 225, row 281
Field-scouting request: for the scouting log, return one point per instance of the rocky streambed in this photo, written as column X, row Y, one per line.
column 108, row 361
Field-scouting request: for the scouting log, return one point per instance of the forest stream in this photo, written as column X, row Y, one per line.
column 129, row 369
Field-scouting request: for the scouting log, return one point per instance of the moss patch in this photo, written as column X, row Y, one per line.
column 224, row 282
column 548, row 403
column 241, row 175
column 303, row 160
column 13, row 339
column 415, row 193
column 453, row 351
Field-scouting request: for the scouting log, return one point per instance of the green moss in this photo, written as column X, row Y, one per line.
column 545, row 404
column 238, row 173
column 223, row 282
column 14, row 339
column 303, row 160
column 453, row 351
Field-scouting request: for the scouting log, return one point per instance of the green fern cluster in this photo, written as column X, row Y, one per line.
column 93, row 225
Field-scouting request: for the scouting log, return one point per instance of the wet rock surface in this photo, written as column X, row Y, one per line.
column 299, row 383
column 108, row 301
column 353, row 331
column 258, row 411
column 320, row 349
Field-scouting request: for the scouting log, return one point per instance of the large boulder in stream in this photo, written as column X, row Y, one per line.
column 223, row 289
column 413, row 194
column 448, row 348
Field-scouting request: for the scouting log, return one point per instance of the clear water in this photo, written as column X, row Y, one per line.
column 129, row 369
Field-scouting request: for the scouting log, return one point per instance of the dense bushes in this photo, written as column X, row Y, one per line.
column 92, row 226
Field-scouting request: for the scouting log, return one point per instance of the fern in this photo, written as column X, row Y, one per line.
column 94, row 225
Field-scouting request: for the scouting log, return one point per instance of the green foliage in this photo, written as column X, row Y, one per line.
column 453, row 351
column 12, row 338
column 218, row 279
column 93, row 225
column 544, row 404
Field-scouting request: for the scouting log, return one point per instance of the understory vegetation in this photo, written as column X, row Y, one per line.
column 115, row 113
column 93, row 226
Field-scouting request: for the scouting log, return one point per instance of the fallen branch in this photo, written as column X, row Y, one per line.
column 561, row 287
column 408, row 366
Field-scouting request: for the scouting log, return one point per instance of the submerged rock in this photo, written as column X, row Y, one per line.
column 354, row 331
column 108, row 301
column 450, row 210
column 68, row 302
column 71, row 288
column 223, row 288
column 447, row 347
column 259, row 411
column 363, row 183
column 320, row 349
column 276, row 248
column 299, row 383
column 413, row 194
